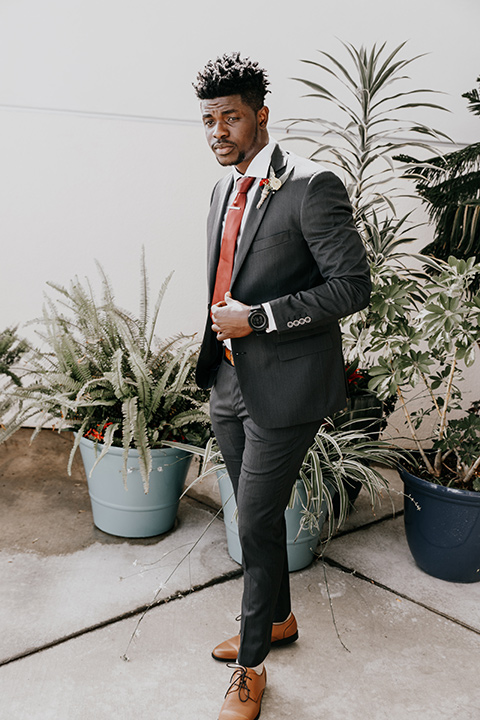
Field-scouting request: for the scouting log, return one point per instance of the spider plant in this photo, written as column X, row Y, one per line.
column 338, row 457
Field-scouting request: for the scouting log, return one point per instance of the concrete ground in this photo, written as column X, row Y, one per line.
column 98, row 627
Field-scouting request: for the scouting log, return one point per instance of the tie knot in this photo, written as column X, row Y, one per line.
column 244, row 184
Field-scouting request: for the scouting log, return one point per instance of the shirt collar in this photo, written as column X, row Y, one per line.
column 260, row 164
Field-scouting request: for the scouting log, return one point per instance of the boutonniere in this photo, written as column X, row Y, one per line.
column 270, row 185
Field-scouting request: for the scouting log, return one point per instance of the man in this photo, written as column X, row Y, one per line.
column 285, row 262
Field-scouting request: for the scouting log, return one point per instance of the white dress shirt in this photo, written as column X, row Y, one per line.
column 258, row 169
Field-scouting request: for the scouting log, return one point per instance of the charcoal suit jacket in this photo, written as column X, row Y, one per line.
column 301, row 252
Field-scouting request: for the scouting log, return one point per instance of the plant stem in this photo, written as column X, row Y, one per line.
column 443, row 417
column 420, row 449
column 431, row 393
column 331, row 607
column 472, row 470
column 157, row 593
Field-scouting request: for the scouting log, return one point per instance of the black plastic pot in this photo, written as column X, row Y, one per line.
column 364, row 414
column 442, row 526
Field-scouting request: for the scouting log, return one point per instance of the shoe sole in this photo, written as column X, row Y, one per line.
column 278, row 643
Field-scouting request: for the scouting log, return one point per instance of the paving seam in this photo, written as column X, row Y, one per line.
column 371, row 523
column 143, row 609
column 211, row 507
column 231, row 575
column 179, row 595
column 392, row 591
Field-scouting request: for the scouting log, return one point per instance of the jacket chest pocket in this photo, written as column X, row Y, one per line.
column 271, row 241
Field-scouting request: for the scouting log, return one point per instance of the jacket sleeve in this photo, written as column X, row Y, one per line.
column 328, row 228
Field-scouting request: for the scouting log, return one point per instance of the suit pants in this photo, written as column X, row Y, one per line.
column 263, row 465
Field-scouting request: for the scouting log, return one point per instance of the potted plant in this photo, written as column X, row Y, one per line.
column 103, row 374
column 12, row 350
column 424, row 343
column 365, row 413
column 449, row 185
column 337, row 458
column 370, row 124
column 367, row 126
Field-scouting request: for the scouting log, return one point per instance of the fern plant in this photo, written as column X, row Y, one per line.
column 103, row 374
column 12, row 350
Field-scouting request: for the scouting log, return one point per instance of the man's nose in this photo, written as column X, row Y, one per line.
column 220, row 130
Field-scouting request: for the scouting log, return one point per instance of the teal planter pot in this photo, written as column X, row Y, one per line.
column 129, row 511
column 300, row 547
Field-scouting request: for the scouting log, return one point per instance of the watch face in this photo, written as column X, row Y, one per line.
column 258, row 320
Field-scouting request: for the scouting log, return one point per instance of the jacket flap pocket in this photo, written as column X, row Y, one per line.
column 265, row 243
column 304, row 346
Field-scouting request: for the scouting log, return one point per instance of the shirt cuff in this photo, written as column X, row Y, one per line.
column 272, row 325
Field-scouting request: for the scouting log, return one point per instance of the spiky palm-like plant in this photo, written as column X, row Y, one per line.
column 371, row 102
column 450, row 187
column 373, row 129
column 104, row 375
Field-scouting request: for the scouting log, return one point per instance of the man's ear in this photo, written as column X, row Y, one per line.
column 262, row 117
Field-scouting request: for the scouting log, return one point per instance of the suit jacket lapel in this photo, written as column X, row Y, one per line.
column 281, row 163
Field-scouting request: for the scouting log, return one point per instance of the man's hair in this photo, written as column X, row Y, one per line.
column 233, row 75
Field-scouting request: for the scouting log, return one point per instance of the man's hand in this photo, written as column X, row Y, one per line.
column 230, row 318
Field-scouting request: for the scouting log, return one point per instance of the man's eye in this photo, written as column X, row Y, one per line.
column 232, row 118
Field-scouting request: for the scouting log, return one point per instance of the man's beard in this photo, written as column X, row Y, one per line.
column 239, row 159
column 242, row 154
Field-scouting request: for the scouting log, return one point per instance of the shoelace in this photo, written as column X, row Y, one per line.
column 238, row 682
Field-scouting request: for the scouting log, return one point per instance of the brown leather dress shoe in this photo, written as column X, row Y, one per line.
column 243, row 698
column 282, row 634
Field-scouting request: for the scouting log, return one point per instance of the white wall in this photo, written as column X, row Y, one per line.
column 101, row 150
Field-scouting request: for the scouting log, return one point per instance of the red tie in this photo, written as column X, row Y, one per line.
column 229, row 239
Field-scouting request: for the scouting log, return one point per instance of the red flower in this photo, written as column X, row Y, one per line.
column 97, row 435
column 355, row 376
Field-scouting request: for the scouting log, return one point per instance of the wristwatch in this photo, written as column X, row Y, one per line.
column 258, row 319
